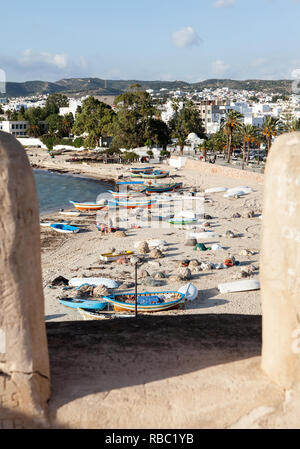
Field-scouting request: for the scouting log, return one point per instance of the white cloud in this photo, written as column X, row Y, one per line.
column 295, row 74
column 224, row 3
column 219, row 67
column 29, row 58
column 186, row 37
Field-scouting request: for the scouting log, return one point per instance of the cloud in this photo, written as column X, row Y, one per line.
column 219, row 67
column 30, row 58
column 186, row 37
column 224, row 3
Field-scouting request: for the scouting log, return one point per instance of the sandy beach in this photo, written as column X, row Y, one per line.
column 77, row 255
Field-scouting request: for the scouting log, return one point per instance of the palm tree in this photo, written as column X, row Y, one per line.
column 271, row 128
column 231, row 124
column 248, row 134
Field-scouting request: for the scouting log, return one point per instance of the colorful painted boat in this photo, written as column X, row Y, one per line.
column 146, row 301
column 75, row 303
column 88, row 206
column 124, row 195
column 111, row 256
column 141, row 169
column 156, row 174
column 64, row 228
column 163, row 187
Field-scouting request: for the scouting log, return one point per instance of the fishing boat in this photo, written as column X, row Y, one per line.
column 124, row 195
column 88, row 205
column 90, row 314
column 146, row 301
column 163, row 187
column 131, row 204
column 108, row 257
column 64, row 228
column 71, row 213
column 141, row 169
column 75, row 303
column 156, row 174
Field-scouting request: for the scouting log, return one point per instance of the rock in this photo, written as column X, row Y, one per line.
column 84, row 291
column 133, row 260
column 251, row 214
column 184, row 273
column 236, row 215
column 207, row 217
column 175, row 278
column 156, row 254
column 143, row 274
column 206, row 266
column 122, row 260
column 183, row 263
column 119, row 234
column 151, row 282
column 159, row 275
column 129, row 284
column 143, row 248
column 193, row 264
column 246, row 252
column 99, row 291
column 154, row 264
column 60, row 280
column 190, row 242
column 229, row 234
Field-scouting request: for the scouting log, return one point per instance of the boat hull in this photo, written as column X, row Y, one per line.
column 108, row 257
column 120, row 306
column 88, row 206
column 75, row 303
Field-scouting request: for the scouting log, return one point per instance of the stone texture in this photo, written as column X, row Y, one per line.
column 280, row 262
column 24, row 364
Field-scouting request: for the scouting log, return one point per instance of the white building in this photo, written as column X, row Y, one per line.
column 16, row 128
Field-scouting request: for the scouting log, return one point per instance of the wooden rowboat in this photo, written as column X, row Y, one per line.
column 88, row 206
column 155, row 174
column 111, row 256
column 146, row 301
column 163, row 187
column 64, row 228
column 90, row 303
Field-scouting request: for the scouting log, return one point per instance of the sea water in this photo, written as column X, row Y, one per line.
column 55, row 190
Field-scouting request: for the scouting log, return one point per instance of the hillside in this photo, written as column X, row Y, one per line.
column 97, row 86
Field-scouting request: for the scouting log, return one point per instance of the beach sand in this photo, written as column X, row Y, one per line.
column 77, row 255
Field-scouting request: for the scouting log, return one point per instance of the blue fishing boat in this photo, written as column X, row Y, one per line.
column 59, row 227
column 146, row 301
column 160, row 188
column 75, row 303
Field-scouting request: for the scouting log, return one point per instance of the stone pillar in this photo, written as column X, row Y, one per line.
column 24, row 363
column 280, row 262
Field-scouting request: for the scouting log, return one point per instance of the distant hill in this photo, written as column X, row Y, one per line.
column 97, row 86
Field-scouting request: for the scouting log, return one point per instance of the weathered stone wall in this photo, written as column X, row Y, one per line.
column 280, row 262
column 24, row 365
column 220, row 170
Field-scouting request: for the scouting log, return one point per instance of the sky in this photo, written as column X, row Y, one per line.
column 188, row 40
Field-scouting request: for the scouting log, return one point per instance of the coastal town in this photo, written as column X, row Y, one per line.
column 150, row 219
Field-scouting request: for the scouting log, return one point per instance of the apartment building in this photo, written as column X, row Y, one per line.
column 16, row 128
